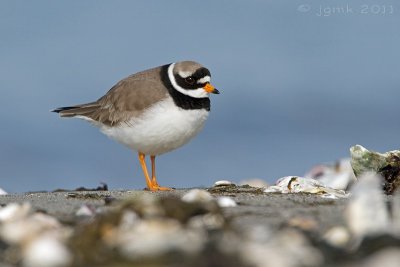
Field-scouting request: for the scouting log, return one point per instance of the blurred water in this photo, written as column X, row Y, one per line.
column 301, row 82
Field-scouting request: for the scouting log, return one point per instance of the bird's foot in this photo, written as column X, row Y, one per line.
column 161, row 188
column 156, row 187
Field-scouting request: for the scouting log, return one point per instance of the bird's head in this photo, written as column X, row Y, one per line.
column 191, row 79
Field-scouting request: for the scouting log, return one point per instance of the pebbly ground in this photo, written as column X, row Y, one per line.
column 254, row 209
column 119, row 228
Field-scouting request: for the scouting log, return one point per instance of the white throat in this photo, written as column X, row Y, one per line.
column 196, row 93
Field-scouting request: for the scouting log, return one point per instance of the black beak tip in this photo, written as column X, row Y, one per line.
column 216, row 91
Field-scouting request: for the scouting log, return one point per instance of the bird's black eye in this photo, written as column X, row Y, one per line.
column 189, row 80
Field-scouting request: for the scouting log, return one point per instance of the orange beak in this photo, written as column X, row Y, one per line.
column 210, row 89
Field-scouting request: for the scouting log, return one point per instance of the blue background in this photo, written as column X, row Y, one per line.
column 297, row 88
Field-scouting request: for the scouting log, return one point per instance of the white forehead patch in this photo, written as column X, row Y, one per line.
column 205, row 79
column 196, row 93
column 184, row 74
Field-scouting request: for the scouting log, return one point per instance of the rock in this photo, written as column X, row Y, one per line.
column 386, row 164
column 366, row 213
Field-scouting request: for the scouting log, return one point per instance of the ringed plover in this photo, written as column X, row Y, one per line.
column 153, row 111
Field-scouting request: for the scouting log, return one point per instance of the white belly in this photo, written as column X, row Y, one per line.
column 162, row 128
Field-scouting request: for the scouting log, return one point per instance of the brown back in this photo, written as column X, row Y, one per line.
column 127, row 99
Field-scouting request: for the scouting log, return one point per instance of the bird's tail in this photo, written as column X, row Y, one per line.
column 84, row 110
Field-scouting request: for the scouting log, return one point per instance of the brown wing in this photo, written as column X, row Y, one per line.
column 127, row 99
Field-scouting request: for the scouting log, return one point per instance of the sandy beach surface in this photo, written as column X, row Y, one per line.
column 142, row 228
column 254, row 209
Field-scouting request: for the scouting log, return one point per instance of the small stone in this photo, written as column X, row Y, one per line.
column 337, row 236
column 46, row 251
column 226, row 202
column 85, row 211
column 197, row 195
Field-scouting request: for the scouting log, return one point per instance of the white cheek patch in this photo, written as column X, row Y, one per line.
column 196, row 93
column 184, row 74
column 205, row 79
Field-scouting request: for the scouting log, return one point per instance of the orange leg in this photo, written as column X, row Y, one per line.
column 142, row 161
column 153, row 170
column 153, row 176
column 152, row 184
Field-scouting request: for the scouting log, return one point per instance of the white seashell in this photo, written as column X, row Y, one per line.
column 337, row 236
column 273, row 189
column 197, row 195
column 14, row 211
column 46, row 251
column 338, row 176
column 226, row 202
column 2, row 192
column 296, row 184
column 366, row 213
column 223, row 182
